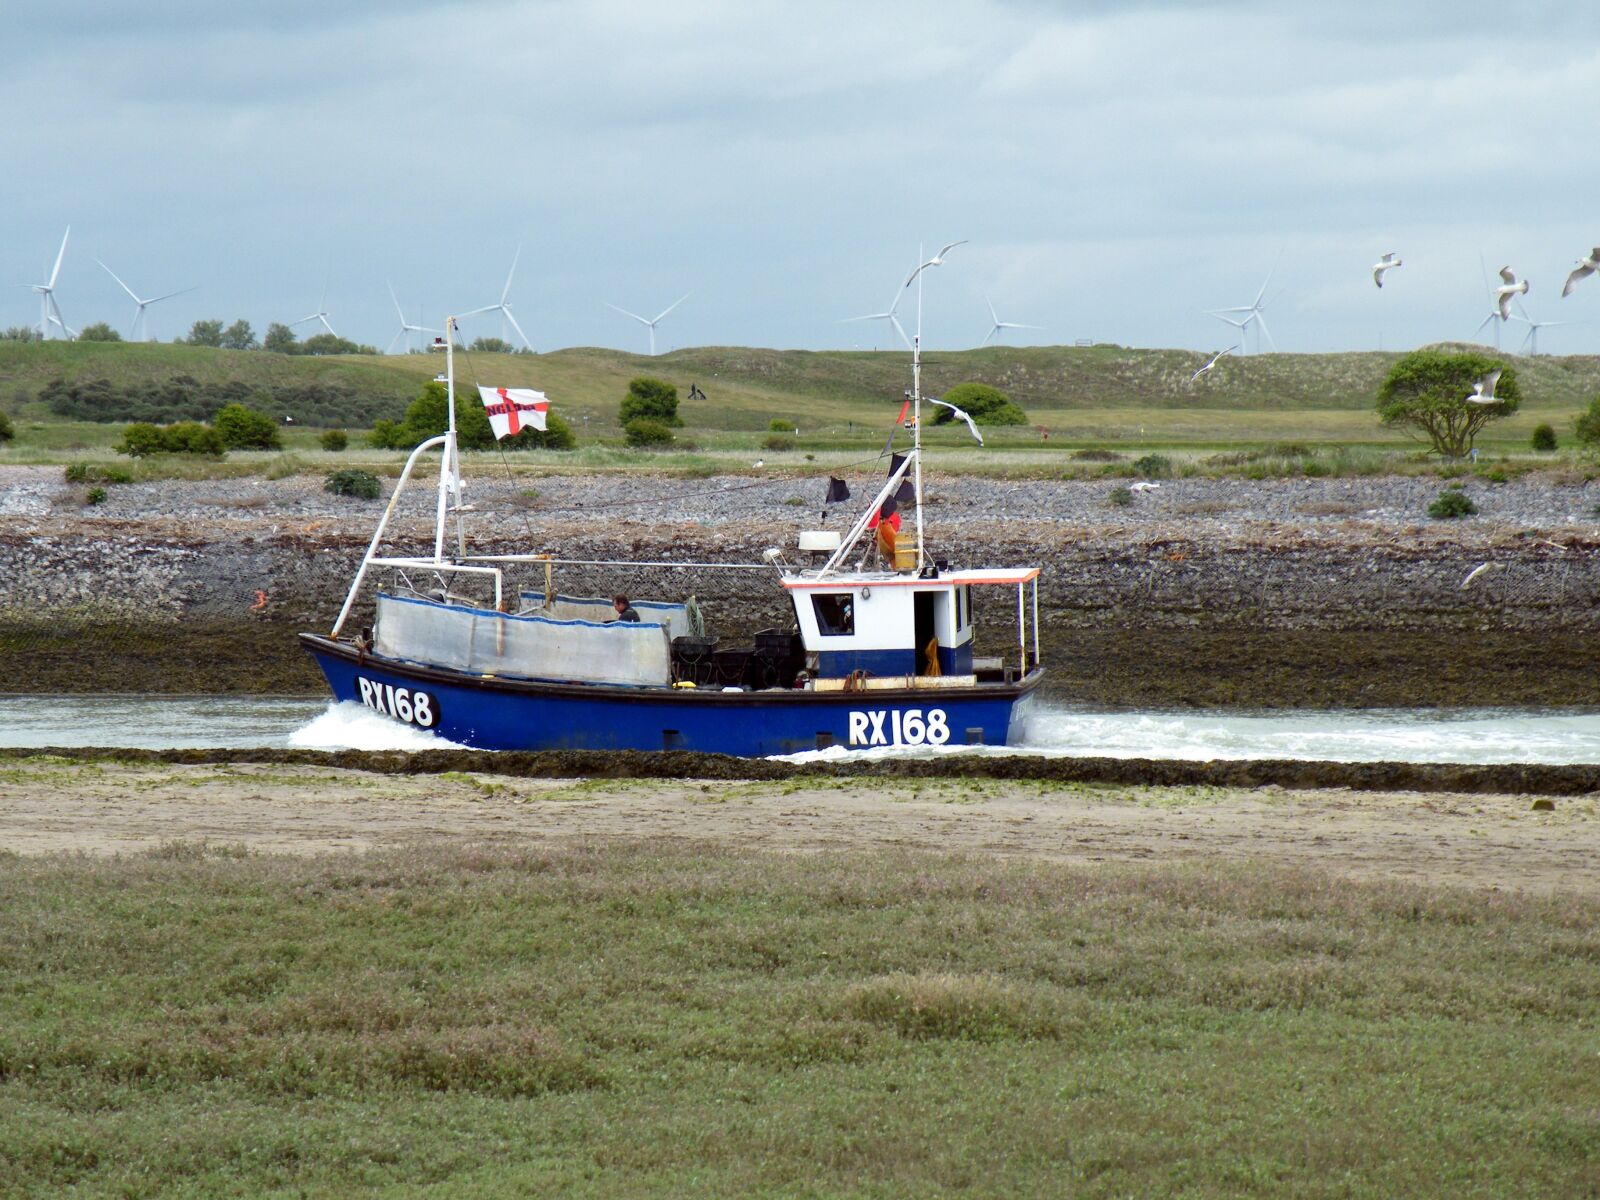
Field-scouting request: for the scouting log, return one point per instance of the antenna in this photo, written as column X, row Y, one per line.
column 651, row 324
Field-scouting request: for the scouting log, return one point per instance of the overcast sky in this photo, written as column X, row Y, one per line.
column 1117, row 167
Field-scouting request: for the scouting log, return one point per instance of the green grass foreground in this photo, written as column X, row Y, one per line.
column 629, row 1020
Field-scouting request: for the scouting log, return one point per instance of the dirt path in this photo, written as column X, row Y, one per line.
column 1487, row 841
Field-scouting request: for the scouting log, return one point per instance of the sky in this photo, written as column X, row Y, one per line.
column 1115, row 169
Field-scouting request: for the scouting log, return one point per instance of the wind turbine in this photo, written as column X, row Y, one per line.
column 1255, row 313
column 504, row 306
column 999, row 324
column 888, row 315
column 320, row 315
column 651, row 325
column 1494, row 318
column 49, row 310
column 1531, row 342
column 406, row 329
column 140, row 305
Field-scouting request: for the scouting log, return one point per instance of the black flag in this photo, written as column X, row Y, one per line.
column 906, row 491
column 838, row 490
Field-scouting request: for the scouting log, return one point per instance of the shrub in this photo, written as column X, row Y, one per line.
column 782, row 425
column 556, row 435
column 1451, row 504
column 363, row 485
column 7, row 432
column 779, row 441
column 1544, row 437
column 642, row 431
column 98, row 332
column 1587, row 426
column 80, row 472
column 1121, row 497
column 1426, row 392
column 1099, row 456
column 334, row 440
column 142, row 439
column 652, row 399
column 244, row 428
column 97, row 495
column 1153, row 466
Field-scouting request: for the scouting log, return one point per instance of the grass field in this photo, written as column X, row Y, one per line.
column 623, row 1019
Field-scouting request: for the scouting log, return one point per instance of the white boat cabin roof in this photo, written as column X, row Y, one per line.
column 976, row 577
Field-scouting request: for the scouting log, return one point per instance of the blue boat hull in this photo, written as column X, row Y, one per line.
column 508, row 714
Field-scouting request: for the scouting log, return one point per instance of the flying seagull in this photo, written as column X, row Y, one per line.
column 936, row 261
column 1511, row 288
column 1388, row 262
column 1585, row 268
column 1212, row 363
column 1483, row 390
column 958, row 412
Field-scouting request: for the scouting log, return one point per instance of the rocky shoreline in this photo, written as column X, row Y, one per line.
column 1281, row 591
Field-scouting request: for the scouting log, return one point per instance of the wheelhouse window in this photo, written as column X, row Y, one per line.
column 836, row 614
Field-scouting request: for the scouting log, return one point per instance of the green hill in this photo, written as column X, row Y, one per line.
column 746, row 388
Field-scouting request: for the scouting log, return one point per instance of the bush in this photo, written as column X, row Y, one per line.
column 334, row 440
column 7, row 432
column 1544, row 437
column 782, row 425
column 556, row 435
column 652, row 399
column 779, row 441
column 98, row 332
column 984, row 404
column 80, row 472
column 642, row 431
column 363, row 485
column 1587, row 426
column 1092, row 455
column 142, row 439
column 1153, row 466
column 244, row 428
column 1451, row 504
column 1121, row 497
column 96, row 495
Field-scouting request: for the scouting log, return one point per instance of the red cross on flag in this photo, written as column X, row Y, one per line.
column 511, row 410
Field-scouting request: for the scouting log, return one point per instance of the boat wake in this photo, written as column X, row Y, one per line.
column 350, row 726
column 1477, row 736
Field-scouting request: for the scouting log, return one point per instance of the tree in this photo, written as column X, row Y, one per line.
column 493, row 345
column 245, row 429
column 6, row 431
column 280, row 339
column 650, row 398
column 206, row 333
column 328, row 343
column 239, row 336
column 20, row 333
column 1427, row 390
column 98, row 332
column 984, row 404
column 428, row 416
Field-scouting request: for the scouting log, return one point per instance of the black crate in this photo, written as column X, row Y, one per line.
column 778, row 643
column 731, row 666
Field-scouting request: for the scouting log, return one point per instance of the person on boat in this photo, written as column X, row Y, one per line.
column 625, row 611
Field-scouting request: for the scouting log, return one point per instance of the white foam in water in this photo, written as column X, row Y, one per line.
column 1381, row 735
column 347, row 725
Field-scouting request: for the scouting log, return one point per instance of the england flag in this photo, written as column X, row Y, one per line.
column 511, row 410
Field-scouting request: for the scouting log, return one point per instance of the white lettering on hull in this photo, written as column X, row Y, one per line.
column 404, row 704
column 897, row 727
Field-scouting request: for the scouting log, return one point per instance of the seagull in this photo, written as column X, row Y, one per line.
column 1212, row 363
column 760, row 462
column 958, row 412
column 1476, row 571
column 1143, row 485
column 1387, row 263
column 1585, row 268
column 1511, row 288
column 936, row 261
column 1483, row 390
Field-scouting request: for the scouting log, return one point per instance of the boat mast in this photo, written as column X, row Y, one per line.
column 449, row 465
column 916, row 413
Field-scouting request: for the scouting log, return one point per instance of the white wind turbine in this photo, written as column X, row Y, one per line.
column 49, row 310
column 888, row 315
column 1496, row 317
column 320, row 315
column 999, row 324
column 1255, row 313
column 1531, row 342
column 139, row 304
column 651, row 325
column 406, row 328
column 504, row 305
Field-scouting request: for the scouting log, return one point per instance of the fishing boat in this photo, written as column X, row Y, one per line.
column 488, row 651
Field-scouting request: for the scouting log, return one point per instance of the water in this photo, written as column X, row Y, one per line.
column 1551, row 736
